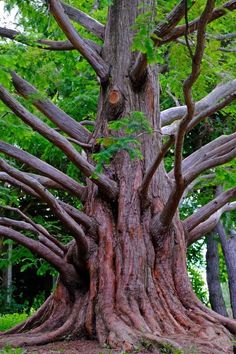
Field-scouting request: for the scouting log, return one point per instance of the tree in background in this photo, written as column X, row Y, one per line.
column 123, row 277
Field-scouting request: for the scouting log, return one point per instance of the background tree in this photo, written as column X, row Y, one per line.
column 123, row 277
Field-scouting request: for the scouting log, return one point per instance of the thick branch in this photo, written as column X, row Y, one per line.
column 207, row 226
column 207, row 158
column 84, row 20
column 107, row 186
column 171, row 129
column 78, row 42
column 209, row 209
column 43, row 167
column 50, row 110
column 219, row 93
column 193, row 25
column 76, row 230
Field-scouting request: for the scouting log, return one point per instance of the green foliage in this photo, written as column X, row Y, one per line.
column 131, row 126
column 143, row 39
column 10, row 320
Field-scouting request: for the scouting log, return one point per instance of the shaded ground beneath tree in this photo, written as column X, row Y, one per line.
column 76, row 347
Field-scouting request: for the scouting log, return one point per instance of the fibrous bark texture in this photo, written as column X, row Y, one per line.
column 123, row 280
column 213, row 276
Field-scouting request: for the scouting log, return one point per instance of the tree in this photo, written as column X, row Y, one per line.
column 123, row 278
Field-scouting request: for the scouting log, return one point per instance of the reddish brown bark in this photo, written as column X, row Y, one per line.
column 129, row 285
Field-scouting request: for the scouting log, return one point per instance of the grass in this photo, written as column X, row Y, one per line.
column 10, row 320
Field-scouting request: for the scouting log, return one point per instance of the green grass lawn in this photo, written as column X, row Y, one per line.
column 10, row 320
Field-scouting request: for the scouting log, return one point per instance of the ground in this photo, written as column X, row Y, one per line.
column 75, row 347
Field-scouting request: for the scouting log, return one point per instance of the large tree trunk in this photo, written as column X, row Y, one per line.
column 213, row 276
column 132, row 290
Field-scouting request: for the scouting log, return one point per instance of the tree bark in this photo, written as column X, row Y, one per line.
column 130, row 289
column 213, row 276
column 229, row 251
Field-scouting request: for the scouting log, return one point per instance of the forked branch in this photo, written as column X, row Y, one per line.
column 86, row 221
column 221, row 92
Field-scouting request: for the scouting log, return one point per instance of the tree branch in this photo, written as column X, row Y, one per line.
column 108, row 186
column 219, row 93
column 50, row 110
column 86, row 221
column 143, row 190
column 36, row 247
column 138, row 69
column 22, row 225
column 43, row 167
column 76, row 230
column 36, row 227
column 193, row 25
column 45, row 44
column 172, row 204
column 207, row 226
column 187, row 88
column 84, row 20
column 78, row 42
column 208, row 158
column 209, row 209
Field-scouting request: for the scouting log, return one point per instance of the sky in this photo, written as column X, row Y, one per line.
column 6, row 19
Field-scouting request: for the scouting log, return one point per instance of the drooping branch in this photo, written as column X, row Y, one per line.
column 46, row 44
column 209, row 209
column 104, row 183
column 84, row 20
column 193, row 25
column 138, row 69
column 43, row 167
column 36, row 247
column 77, row 215
column 95, row 60
column 172, row 204
column 22, row 225
column 67, row 220
column 35, row 227
column 170, row 115
column 50, row 110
